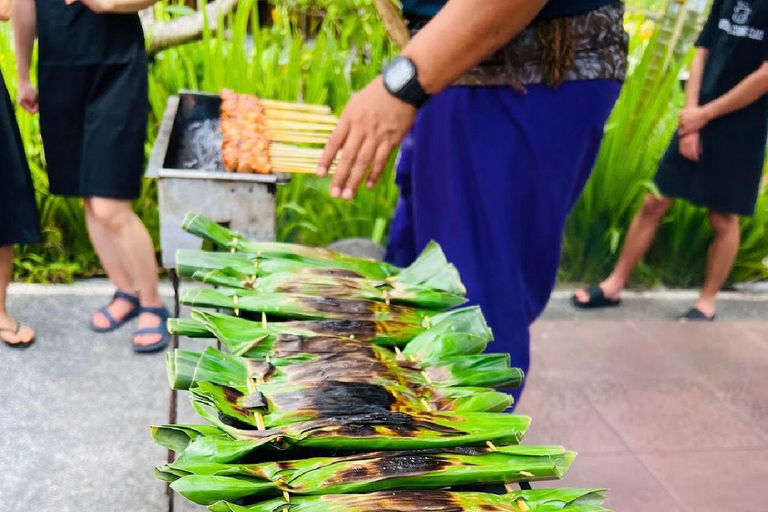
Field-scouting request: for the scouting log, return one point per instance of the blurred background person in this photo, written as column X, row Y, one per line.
column 716, row 158
column 19, row 223
column 92, row 77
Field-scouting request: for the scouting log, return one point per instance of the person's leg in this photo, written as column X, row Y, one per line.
column 127, row 238
column 636, row 244
column 112, row 263
column 8, row 324
column 722, row 253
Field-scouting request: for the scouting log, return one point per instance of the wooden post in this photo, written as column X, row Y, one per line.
column 393, row 22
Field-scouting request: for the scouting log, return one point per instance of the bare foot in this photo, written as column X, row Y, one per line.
column 12, row 333
column 147, row 320
column 119, row 309
column 610, row 289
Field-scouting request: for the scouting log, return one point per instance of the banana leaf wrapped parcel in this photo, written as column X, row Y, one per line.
column 537, row 500
column 346, row 385
column 206, row 483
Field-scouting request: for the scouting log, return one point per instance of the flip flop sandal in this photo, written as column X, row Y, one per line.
column 162, row 330
column 116, row 324
column 696, row 315
column 15, row 331
column 597, row 299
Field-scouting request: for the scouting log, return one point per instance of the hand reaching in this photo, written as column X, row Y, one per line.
column 371, row 126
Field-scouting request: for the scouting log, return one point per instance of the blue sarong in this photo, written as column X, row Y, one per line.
column 491, row 174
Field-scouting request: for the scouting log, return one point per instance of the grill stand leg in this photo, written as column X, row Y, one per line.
column 173, row 407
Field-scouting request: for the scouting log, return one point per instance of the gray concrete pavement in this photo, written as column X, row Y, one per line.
column 671, row 417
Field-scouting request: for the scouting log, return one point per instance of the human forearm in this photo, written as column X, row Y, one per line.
column 24, row 21
column 462, row 35
column 693, row 85
column 743, row 94
column 116, row 6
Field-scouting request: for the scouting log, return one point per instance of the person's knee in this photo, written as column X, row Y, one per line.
column 654, row 207
column 112, row 213
column 723, row 223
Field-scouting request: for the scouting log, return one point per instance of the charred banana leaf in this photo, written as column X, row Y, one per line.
column 367, row 432
column 323, row 285
column 370, row 472
column 358, row 362
column 430, row 270
column 304, row 306
column 538, row 500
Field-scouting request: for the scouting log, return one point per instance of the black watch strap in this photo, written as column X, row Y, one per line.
column 411, row 91
column 415, row 93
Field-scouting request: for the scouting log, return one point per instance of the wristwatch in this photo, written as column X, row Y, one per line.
column 402, row 81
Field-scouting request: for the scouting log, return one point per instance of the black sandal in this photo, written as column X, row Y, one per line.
column 696, row 315
column 15, row 331
column 597, row 299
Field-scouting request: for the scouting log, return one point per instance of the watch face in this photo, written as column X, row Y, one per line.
column 399, row 73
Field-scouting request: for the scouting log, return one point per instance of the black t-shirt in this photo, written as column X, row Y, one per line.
column 735, row 35
column 74, row 35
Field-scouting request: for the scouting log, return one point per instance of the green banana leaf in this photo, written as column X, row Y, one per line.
column 484, row 370
column 366, row 432
column 441, row 340
column 224, row 237
column 458, row 332
column 537, row 500
column 246, row 337
column 323, row 285
column 188, row 327
column 430, row 270
column 423, row 469
column 302, row 306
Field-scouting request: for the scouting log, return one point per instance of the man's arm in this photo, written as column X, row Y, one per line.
column 693, row 85
column 462, row 35
column 116, row 6
column 690, row 144
column 24, row 22
column 746, row 92
column 374, row 122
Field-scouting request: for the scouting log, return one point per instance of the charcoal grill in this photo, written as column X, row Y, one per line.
column 186, row 161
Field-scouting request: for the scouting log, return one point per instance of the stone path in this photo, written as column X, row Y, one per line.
column 671, row 417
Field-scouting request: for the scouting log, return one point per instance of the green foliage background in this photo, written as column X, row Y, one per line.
column 320, row 51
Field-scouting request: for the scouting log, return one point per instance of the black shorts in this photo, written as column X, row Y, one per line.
column 93, row 120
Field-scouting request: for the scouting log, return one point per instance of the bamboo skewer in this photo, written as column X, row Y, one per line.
column 265, row 136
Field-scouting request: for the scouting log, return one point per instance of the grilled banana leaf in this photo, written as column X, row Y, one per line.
column 303, row 306
column 430, row 270
column 224, row 237
column 456, row 333
column 423, row 469
column 323, row 285
column 366, row 432
column 537, row 500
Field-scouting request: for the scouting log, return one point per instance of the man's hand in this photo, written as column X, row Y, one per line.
column 6, row 8
column 693, row 119
column 372, row 125
column 97, row 6
column 690, row 146
column 27, row 96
